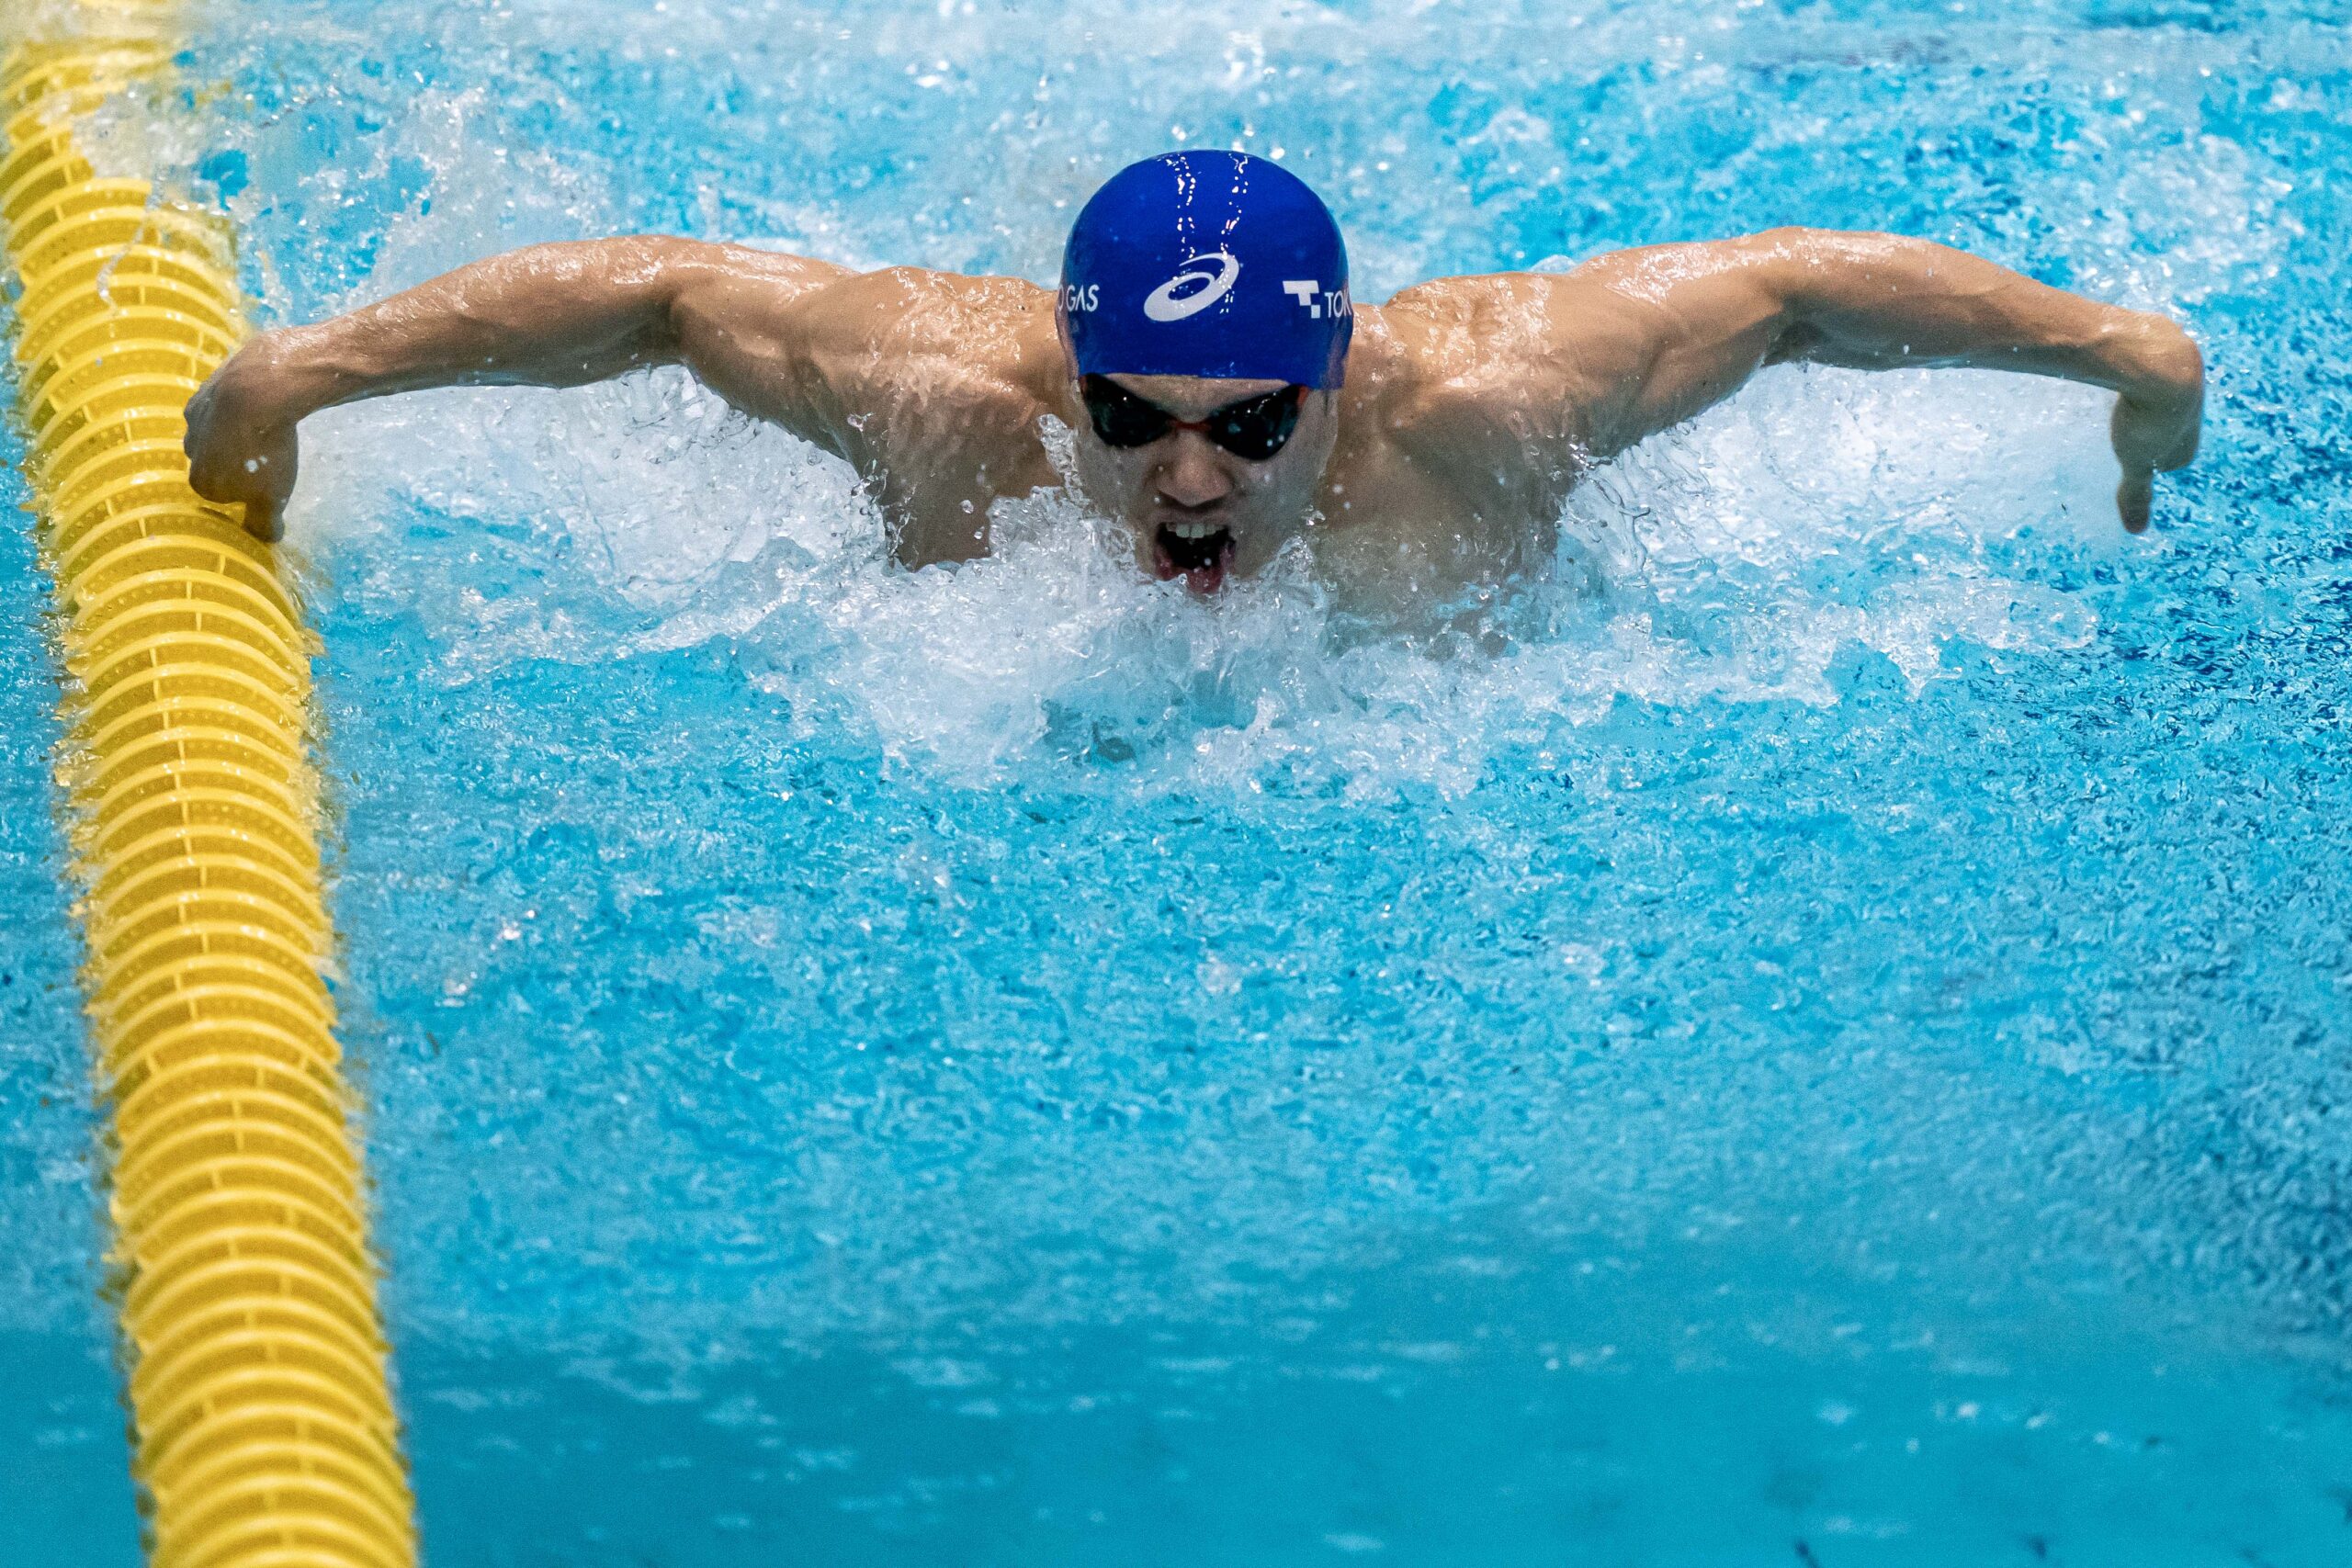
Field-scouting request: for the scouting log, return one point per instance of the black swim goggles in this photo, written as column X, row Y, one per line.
column 1253, row 429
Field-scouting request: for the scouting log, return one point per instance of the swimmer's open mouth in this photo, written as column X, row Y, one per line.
column 1201, row 559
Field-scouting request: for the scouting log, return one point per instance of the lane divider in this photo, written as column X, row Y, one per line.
column 264, row 1432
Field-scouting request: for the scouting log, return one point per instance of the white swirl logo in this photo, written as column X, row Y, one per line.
column 1164, row 303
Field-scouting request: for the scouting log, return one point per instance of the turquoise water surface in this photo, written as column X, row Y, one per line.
column 1816, row 1030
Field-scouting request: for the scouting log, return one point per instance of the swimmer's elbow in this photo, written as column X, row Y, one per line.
column 1796, row 342
column 664, row 273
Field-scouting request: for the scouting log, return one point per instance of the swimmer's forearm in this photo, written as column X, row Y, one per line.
column 550, row 316
column 1875, row 300
column 557, row 315
column 1879, row 301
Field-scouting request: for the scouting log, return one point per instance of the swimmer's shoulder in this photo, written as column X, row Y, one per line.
column 1476, row 370
column 932, row 336
column 940, row 379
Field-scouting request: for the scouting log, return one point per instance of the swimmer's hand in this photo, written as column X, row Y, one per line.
column 2158, row 411
column 241, row 445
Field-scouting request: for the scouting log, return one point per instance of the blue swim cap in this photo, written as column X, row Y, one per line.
column 1208, row 264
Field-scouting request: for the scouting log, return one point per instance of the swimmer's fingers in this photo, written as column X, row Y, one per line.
column 274, row 466
column 2157, row 433
column 2135, row 498
column 2158, row 414
column 258, row 474
column 237, row 457
column 265, row 519
column 2151, row 435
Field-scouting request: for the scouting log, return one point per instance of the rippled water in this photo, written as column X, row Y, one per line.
column 1814, row 1031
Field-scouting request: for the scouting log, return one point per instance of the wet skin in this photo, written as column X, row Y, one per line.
column 1470, row 406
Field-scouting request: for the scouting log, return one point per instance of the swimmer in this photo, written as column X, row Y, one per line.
column 1222, row 391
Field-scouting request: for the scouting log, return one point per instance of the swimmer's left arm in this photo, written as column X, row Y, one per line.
column 1656, row 334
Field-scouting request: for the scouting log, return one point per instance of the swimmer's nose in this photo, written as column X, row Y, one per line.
column 1192, row 477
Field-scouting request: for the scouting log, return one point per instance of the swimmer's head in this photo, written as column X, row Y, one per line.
column 1206, row 313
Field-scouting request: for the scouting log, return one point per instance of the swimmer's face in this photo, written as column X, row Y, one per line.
column 1195, row 509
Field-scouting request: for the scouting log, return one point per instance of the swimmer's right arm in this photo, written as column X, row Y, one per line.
column 557, row 315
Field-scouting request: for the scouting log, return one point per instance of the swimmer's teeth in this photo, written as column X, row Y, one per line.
column 1195, row 530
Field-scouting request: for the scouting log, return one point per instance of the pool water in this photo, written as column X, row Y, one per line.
column 1816, row 1029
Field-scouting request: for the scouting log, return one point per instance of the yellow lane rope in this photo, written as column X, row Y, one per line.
column 264, row 1433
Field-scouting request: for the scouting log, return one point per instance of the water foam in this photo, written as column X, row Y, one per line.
column 1735, row 560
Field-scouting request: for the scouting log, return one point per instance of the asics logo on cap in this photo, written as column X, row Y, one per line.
column 1165, row 304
